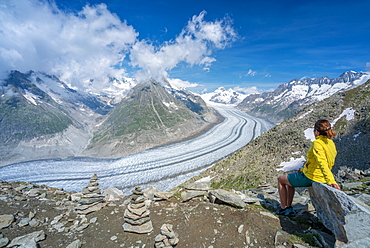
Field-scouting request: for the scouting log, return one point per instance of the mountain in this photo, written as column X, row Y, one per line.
column 221, row 95
column 257, row 162
column 42, row 117
column 288, row 99
column 24, row 108
column 150, row 116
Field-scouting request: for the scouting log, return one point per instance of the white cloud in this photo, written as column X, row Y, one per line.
column 92, row 44
column 194, row 46
column 178, row 83
column 368, row 66
column 251, row 73
column 247, row 90
column 36, row 35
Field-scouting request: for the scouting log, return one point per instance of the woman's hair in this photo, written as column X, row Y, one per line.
column 324, row 128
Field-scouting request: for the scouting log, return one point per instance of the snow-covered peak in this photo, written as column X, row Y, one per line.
column 224, row 96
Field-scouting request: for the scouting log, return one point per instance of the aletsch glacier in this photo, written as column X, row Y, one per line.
column 163, row 167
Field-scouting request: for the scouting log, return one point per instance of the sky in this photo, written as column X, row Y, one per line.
column 248, row 45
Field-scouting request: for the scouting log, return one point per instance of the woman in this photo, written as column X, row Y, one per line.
column 320, row 160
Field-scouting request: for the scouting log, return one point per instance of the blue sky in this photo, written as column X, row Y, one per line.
column 264, row 43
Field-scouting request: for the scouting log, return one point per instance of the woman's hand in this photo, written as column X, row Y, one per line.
column 335, row 186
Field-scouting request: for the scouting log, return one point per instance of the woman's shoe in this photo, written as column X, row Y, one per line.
column 285, row 211
column 288, row 211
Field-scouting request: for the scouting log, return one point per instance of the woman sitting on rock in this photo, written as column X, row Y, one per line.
column 320, row 160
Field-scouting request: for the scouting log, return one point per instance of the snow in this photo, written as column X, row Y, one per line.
column 304, row 114
column 31, row 97
column 308, row 133
column 170, row 105
column 204, row 179
column 348, row 112
column 356, row 135
column 227, row 97
column 362, row 80
column 293, row 165
column 299, row 91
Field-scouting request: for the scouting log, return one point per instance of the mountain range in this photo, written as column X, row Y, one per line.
column 42, row 117
column 289, row 98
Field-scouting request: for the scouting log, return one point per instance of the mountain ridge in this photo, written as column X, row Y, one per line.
column 290, row 98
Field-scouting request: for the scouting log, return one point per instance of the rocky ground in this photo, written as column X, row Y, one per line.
column 207, row 219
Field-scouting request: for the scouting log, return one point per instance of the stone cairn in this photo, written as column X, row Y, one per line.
column 167, row 238
column 136, row 216
column 91, row 197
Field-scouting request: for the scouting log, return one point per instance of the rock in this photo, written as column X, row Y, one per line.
column 167, row 237
column 240, row 229
column 113, row 194
column 353, row 185
column 28, row 239
column 86, row 209
column 362, row 243
column 92, row 187
column 84, row 226
column 250, row 200
column 299, row 246
column 163, row 195
column 24, row 222
column 90, row 199
column 6, row 220
column 364, row 198
column 136, row 216
column 75, row 244
column 144, row 228
column 149, row 192
column 227, row 197
column 190, row 194
column 3, row 240
column 345, row 216
column 34, row 192
column 76, row 196
column 268, row 214
column 205, row 186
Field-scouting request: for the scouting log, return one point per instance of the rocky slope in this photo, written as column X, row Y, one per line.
column 288, row 99
column 258, row 161
column 195, row 215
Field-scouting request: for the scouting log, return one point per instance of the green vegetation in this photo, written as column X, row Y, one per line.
column 21, row 120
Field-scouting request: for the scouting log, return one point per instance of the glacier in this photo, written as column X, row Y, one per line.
column 163, row 167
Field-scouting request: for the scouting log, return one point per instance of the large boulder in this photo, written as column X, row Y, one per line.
column 345, row 216
column 226, row 197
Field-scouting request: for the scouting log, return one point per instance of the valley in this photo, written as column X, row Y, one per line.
column 164, row 167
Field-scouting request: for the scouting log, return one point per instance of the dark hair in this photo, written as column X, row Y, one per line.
column 324, row 128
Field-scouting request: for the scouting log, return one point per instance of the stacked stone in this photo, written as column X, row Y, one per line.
column 91, row 193
column 136, row 215
column 167, row 238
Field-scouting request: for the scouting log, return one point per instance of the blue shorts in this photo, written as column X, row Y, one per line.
column 298, row 179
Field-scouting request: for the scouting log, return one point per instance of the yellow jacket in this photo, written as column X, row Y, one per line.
column 320, row 160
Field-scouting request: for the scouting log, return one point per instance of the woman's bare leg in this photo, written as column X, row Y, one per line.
column 286, row 191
